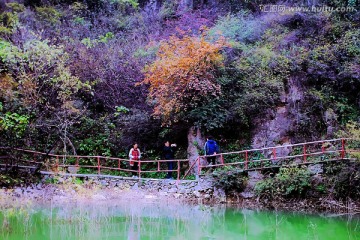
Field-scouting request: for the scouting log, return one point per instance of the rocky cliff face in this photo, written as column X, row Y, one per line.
column 276, row 125
column 196, row 142
column 281, row 125
column 285, row 124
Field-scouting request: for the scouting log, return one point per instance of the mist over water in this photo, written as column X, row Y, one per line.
column 139, row 219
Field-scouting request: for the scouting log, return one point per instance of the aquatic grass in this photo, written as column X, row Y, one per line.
column 88, row 217
column 313, row 231
column 141, row 218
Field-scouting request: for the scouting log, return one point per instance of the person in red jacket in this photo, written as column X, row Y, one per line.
column 134, row 156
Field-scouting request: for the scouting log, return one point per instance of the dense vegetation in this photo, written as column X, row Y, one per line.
column 93, row 76
column 339, row 181
column 289, row 182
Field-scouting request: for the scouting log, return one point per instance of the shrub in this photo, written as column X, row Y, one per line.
column 48, row 14
column 347, row 182
column 15, row 7
column 8, row 22
column 230, row 179
column 168, row 10
column 344, row 179
column 242, row 27
column 14, row 123
column 352, row 130
column 14, row 177
column 289, row 182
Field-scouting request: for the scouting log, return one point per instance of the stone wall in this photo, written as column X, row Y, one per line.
column 190, row 190
column 202, row 189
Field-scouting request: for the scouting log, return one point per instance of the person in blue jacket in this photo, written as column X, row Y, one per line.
column 211, row 148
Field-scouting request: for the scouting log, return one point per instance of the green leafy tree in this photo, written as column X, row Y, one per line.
column 37, row 81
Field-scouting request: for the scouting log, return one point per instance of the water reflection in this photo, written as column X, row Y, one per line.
column 135, row 220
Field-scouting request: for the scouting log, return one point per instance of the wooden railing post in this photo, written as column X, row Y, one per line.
column 342, row 148
column 274, row 154
column 190, row 168
column 98, row 160
column 57, row 164
column 246, row 159
column 199, row 167
column 305, row 153
column 139, row 168
column 178, row 170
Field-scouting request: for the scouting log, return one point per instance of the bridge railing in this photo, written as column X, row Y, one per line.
column 100, row 165
column 284, row 155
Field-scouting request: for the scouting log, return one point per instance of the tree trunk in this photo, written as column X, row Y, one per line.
column 195, row 143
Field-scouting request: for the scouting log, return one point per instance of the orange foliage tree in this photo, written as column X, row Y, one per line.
column 183, row 76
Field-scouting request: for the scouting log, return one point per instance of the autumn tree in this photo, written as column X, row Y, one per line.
column 183, row 80
column 183, row 77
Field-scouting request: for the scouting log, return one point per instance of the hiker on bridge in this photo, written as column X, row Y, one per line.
column 168, row 154
column 134, row 156
column 211, row 148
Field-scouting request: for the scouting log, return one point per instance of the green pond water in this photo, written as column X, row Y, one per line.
column 132, row 220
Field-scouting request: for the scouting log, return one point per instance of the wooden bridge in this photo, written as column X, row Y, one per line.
column 342, row 149
column 315, row 152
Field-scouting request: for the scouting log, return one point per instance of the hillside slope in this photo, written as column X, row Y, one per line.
column 93, row 76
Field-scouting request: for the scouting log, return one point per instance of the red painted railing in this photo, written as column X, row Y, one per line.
column 53, row 162
column 282, row 155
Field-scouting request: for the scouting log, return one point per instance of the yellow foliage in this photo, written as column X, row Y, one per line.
column 7, row 84
column 28, row 90
column 183, row 73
